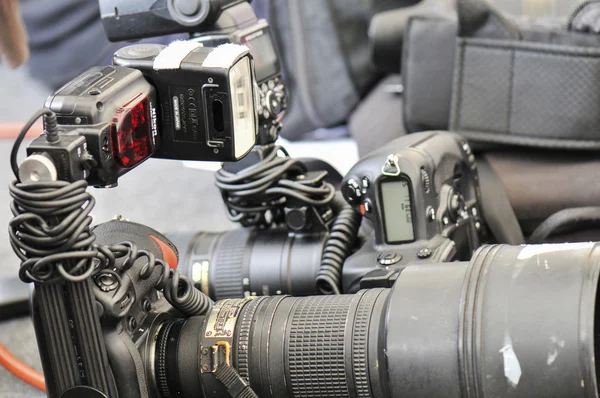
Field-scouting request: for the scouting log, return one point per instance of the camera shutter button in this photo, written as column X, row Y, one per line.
column 424, row 253
column 139, row 51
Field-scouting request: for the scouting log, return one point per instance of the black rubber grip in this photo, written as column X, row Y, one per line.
column 118, row 231
column 227, row 270
column 315, row 352
column 57, row 335
column 90, row 342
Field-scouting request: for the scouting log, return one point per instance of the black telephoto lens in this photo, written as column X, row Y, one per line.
column 247, row 261
column 515, row 321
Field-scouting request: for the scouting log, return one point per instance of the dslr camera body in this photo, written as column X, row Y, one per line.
column 420, row 200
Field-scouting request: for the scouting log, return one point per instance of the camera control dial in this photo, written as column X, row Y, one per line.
column 352, row 191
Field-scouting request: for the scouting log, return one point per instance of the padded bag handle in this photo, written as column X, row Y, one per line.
column 428, row 58
column 526, row 85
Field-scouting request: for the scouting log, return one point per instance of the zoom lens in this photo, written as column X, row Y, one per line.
column 514, row 322
column 247, row 261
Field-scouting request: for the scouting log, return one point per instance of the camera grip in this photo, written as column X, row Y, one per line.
column 144, row 237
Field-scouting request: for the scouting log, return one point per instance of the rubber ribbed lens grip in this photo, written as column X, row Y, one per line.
column 316, row 347
column 227, row 269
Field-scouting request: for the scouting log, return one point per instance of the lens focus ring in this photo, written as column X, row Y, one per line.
column 360, row 339
column 244, row 324
column 228, row 265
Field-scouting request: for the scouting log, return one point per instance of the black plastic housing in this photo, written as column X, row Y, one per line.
column 86, row 108
column 445, row 204
column 66, row 155
column 136, row 19
column 249, row 261
column 187, row 96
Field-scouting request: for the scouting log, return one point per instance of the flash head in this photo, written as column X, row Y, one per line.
column 207, row 106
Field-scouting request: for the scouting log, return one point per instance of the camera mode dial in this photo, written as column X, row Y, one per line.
column 272, row 98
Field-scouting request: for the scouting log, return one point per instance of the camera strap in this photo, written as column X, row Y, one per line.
column 235, row 384
column 497, row 210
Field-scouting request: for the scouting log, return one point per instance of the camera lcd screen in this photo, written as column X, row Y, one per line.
column 397, row 211
column 265, row 58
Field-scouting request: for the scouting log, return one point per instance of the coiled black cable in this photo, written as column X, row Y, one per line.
column 338, row 246
column 50, row 233
column 177, row 288
column 267, row 185
column 50, row 230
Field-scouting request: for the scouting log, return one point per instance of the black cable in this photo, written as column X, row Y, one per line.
column 575, row 13
column 50, row 233
column 338, row 246
column 565, row 220
column 51, row 131
column 177, row 288
column 268, row 185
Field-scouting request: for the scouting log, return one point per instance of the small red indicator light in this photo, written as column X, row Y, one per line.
column 131, row 134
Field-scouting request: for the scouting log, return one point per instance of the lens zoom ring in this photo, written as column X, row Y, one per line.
column 228, row 265
column 316, row 347
column 360, row 339
column 245, row 322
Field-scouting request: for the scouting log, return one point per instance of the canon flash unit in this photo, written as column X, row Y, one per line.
column 206, row 95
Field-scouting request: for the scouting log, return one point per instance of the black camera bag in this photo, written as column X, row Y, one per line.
column 502, row 81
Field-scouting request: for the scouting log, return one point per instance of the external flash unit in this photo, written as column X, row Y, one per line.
column 207, row 107
column 183, row 101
